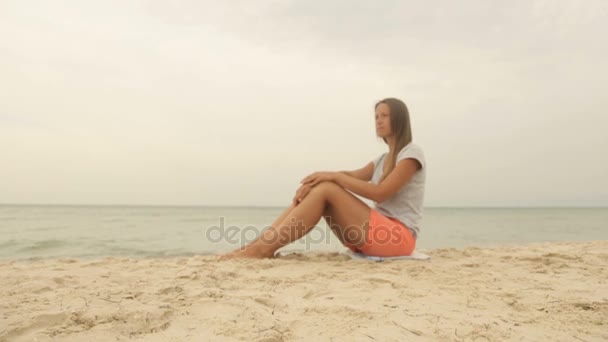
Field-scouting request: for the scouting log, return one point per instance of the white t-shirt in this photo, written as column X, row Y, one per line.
column 406, row 204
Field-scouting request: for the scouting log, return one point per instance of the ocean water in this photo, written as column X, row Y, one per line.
column 38, row 231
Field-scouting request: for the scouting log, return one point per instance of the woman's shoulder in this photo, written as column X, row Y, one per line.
column 414, row 151
column 412, row 146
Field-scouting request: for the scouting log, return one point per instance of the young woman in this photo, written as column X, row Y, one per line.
column 395, row 181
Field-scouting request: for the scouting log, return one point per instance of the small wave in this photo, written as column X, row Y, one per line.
column 9, row 243
column 44, row 245
column 197, row 219
column 9, row 218
column 41, row 229
column 113, row 220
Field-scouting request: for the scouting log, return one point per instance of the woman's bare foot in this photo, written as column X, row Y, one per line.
column 249, row 252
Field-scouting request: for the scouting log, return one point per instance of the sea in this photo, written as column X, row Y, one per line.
column 93, row 231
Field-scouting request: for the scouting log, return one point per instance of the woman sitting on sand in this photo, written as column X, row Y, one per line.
column 397, row 189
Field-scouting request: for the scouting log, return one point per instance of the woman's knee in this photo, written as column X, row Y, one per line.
column 325, row 188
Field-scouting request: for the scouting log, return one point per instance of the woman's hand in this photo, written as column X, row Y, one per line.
column 318, row 177
column 301, row 193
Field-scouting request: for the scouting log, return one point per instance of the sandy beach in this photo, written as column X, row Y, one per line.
column 548, row 291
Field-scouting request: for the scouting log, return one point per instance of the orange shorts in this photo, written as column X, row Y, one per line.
column 386, row 237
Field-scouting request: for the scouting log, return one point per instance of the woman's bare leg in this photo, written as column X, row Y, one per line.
column 276, row 223
column 302, row 218
column 328, row 215
column 283, row 215
column 294, row 225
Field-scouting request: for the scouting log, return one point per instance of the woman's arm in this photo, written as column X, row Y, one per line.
column 365, row 173
column 401, row 174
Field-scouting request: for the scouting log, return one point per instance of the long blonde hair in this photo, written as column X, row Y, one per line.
column 401, row 128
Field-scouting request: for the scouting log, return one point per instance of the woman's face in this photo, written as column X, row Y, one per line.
column 383, row 120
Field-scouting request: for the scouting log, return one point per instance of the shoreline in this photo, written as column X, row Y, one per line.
column 538, row 291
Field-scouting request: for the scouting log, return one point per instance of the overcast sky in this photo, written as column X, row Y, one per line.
column 233, row 102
